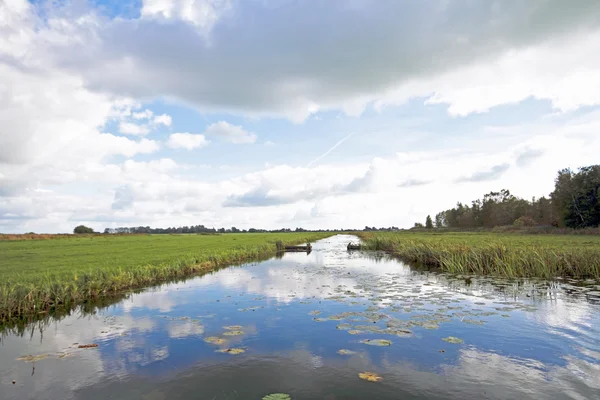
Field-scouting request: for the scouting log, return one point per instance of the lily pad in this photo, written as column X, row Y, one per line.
column 233, row 327
column 343, row 327
column 346, row 352
column 370, row 376
column 277, row 396
column 377, row 342
column 233, row 333
column 355, row 332
column 233, row 350
column 452, row 339
column 30, row 358
column 214, row 340
column 316, row 312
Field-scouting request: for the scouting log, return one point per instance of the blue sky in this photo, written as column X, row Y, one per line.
column 272, row 114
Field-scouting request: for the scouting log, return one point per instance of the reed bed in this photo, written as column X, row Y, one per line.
column 42, row 276
column 509, row 255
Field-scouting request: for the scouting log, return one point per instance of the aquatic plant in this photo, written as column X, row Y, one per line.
column 508, row 255
column 346, row 352
column 452, row 339
column 214, row 340
column 370, row 376
column 233, row 333
column 377, row 342
column 233, row 350
column 277, row 396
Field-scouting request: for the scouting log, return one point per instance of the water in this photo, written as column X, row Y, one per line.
column 522, row 339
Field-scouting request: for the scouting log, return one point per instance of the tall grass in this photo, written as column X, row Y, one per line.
column 43, row 289
column 502, row 255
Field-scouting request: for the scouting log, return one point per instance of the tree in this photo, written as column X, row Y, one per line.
column 418, row 225
column 429, row 222
column 82, row 229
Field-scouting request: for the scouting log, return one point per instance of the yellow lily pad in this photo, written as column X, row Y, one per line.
column 370, row 376
column 233, row 333
column 30, row 358
column 232, row 350
column 214, row 340
column 346, row 352
column 233, row 327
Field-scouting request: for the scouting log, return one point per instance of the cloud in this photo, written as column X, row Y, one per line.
column 247, row 66
column 203, row 14
column 231, row 133
column 491, row 174
column 162, row 119
column 413, row 183
column 146, row 114
column 188, row 141
column 528, row 156
column 129, row 128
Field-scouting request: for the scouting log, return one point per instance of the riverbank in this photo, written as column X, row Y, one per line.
column 38, row 276
column 509, row 255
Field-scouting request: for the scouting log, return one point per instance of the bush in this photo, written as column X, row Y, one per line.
column 525, row 221
column 82, row 229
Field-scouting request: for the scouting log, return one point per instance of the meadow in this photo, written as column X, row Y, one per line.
column 487, row 253
column 38, row 276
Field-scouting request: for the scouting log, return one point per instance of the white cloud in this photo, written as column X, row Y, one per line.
column 203, row 14
column 231, row 133
column 163, row 119
column 188, row 141
column 146, row 114
column 485, row 55
column 129, row 128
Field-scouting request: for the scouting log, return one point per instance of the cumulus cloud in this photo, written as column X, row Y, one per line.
column 485, row 54
column 188, row 141
column 162, row 119
column 128, row 128
column 231, row 133
column 65, row 82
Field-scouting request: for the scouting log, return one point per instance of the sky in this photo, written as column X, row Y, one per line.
column 287, row 113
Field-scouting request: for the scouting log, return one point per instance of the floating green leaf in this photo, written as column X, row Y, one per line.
column 233, row 333
column 214, row 340
column 30, row 358
column 277, row 396
column 377, row 342
column 233, row 327
column 232, row 350
column 345, row 352
column 452, row 339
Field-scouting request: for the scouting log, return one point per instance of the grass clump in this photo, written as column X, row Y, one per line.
column 510, row 255
column 38, row 276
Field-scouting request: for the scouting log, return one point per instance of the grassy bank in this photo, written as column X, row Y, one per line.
column 511, row 255
column 37, row 276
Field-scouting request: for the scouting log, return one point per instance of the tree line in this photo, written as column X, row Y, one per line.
column 574, row 203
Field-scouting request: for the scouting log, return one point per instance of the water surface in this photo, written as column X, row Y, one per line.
column 525, row 339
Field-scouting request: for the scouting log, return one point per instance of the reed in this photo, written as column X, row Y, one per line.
column 508, row 255
column 41, row 276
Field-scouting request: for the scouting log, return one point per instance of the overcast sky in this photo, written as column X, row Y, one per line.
column 287, row 113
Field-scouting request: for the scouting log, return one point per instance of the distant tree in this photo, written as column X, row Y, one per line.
column 524, row 221
column 82, row 229
column 429, row 222
column 419, row 225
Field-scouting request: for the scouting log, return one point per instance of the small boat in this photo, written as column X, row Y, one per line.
column 352, row 246
column 306, row 248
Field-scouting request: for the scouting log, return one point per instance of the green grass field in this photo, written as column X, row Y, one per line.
column 39, row 275
column 512, row 255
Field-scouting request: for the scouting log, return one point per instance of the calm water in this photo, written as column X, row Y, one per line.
column 521, row 339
